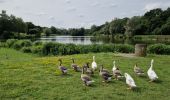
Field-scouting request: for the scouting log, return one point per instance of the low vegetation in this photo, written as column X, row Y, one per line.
column 26, row 76
column 51, row 48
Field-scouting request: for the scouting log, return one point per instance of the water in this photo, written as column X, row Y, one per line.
column 70, row 39
column 96, row 40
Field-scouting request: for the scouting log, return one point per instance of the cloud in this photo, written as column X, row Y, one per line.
column 151, row 6
column 68, row 1
column 2, row 1
column 71, row 9
column 95, row 4
column 113, row 5
column 41, row 14
column 81, row 16
column 52, row 18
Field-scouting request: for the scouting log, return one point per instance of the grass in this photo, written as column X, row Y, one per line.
column 26, row 76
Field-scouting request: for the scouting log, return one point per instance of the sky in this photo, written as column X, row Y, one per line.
column 78, row 13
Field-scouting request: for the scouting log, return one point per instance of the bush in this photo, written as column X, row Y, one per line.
column 2, row 44
column 36, row 43
column 51, row 48
column 159, row 49
column 37, row 49
column 124, row 48
column 21, row 43
column 10, row 42
column 26, row 49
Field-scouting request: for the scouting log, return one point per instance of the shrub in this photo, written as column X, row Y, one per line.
column 51, row 48
column 25, row 43
column 2, row 44
column 37, row 49
column 21, row 43
column 36, row 43
column 26, row 49
column 124, row 48
column 83, row 49
column 10, row 42
column 158, row 49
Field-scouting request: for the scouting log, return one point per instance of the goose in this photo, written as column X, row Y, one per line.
column 114, row 66
column 151, row 73
column 62, row 68
column 94, row 64
column 86, row 79
column 138, row 71
column 104, row 73
column 129, row 81
column 88, row 70
column 117, row 74
column 75, row 66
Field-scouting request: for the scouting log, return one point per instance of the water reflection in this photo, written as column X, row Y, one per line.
column 70, row 39
column 97, row 40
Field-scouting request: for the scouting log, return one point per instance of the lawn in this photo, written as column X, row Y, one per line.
column 27, row 76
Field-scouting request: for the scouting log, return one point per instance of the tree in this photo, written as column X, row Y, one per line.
column 47, row 31
column 117, row 26
column 131, row 25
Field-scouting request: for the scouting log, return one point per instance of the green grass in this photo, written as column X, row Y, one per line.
column 26, row 76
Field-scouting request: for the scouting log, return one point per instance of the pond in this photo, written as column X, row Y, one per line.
column 70, row 39
column 95, row 40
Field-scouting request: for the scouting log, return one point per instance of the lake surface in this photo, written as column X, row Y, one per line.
column 95, row 40
column 70, row 39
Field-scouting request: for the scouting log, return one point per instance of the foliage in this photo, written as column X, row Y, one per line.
column 11, row 27
column 51, row 48
column 10, row 42
column 21, row 43
column 26, row 49
column 159, row 49
column 153, row 22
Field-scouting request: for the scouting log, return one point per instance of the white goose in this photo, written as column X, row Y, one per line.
column 114, row 66
column 129, row 81
column 94, row 64
column 151, row 73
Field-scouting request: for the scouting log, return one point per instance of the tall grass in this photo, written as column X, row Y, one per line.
column 51, row 48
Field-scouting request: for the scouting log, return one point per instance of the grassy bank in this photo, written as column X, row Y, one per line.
column 26, row 76
column 161, row 37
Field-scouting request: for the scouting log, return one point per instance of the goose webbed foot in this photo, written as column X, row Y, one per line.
column 129, row 88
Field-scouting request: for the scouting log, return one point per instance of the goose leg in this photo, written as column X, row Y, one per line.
column 129, row 88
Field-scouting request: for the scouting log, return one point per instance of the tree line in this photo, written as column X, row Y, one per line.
column 153, row 22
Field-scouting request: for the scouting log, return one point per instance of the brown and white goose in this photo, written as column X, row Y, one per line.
column 88, row 70
column 138, row 71
column 117, row 74
column 63, row 69
column 104, row 73
column 86, row 78
column 75, row 66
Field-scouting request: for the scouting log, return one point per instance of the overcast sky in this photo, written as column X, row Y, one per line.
column 78, row 13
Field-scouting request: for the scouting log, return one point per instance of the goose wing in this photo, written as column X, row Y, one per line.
column 117, row 72
column 130, row 81
column 85, row 77
column 138, row 70
column 74, row 65
column 152, row 74
column 62, row 68
column 94, row 64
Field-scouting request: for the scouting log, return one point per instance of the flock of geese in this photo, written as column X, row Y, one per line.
column 87, row 73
